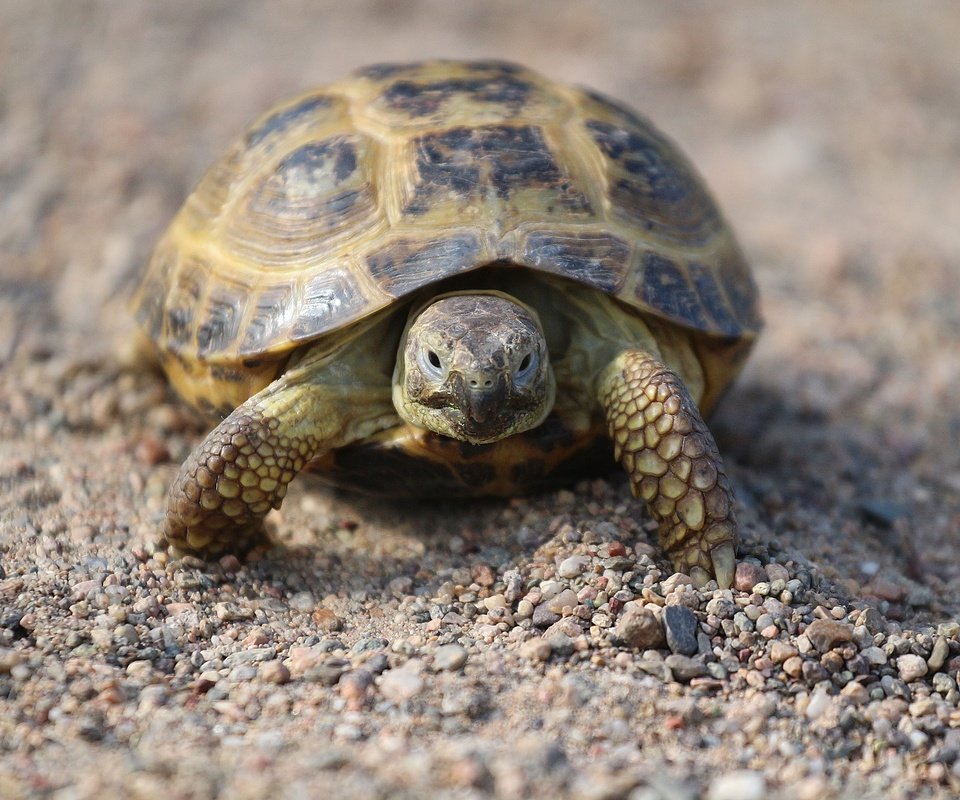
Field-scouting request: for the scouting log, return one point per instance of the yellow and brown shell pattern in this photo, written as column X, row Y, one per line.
column 342, row 201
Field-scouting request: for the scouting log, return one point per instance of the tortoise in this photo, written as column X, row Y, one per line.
column 451, row 278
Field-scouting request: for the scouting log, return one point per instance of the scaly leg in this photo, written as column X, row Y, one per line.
column 664, row 445
column 241, row 470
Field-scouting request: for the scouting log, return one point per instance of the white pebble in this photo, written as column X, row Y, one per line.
column 399, row 685
column 911, row 667
column 743, row 784
column 449, row 657
column 550, row 589
column 819, row 703
column 573, row 566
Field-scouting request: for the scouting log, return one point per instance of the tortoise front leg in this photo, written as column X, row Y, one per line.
column 242, row 468
column 664, row 445
column 232, row 479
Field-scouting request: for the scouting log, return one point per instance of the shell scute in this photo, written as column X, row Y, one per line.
column 472, row 165
column 272, row 317
column 436, row 95
column 650, row 187
column 185, row 302
column 317, row 193
column 327, row 297
column 665, row 286
column 220, row 323
column 713, row 302
column 595, row 259
column 740, row 288
column 427, row 99
column 403, row 265
column 301, row 112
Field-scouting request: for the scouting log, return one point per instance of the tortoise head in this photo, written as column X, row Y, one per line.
column 474, row 367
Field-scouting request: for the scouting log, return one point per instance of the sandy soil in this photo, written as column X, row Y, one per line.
column 830, row 134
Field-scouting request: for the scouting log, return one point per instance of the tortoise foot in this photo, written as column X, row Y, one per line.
column 228, row 484
column 671, row 458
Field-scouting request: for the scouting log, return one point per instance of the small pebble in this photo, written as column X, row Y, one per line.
column 856, row 693
column 325, row 620
column 251, row 656
column 565, row 599
column 399, row 685
column 543, row 617
column 911, row 667
column 640, row 629
column 681, row 627
column 684, row 668
column 943, row 683
column 776, row 572
column 748, row 575
column 873, row 621
column 560, row 643
column 573, row 567
column 354, row 686
column 781, row 651
column 818, row 704
column 536, row 649
column 825, row 634
column 274, row 672
column 495, row 601
column 938, row 655
column 874, row 656
column 449, row 657
column 738, row 785
column 231, row 612
column 886, row 590
column 793, row 666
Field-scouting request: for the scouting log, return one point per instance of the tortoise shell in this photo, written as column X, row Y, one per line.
column 342, row 201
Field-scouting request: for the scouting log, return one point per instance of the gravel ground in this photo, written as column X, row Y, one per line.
column 538, row 647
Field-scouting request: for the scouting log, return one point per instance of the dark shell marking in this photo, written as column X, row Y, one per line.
column 596, row 259
column 221, row 322
column 666, row 287
column 284, row 120
column 475, row 164
column 404, row 265
column 649, row 187
column 426, row 99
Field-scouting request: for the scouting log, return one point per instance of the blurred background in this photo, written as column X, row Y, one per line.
column 829, row 132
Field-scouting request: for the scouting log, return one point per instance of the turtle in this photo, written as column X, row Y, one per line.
column 451, row 278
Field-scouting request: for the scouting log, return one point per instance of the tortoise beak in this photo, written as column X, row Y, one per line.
column 482, row 404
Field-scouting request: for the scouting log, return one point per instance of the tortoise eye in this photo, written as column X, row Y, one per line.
column 431, row 364
column 525, row 368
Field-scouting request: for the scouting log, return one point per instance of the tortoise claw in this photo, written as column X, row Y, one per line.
column 724, row 562
column 700, row 577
